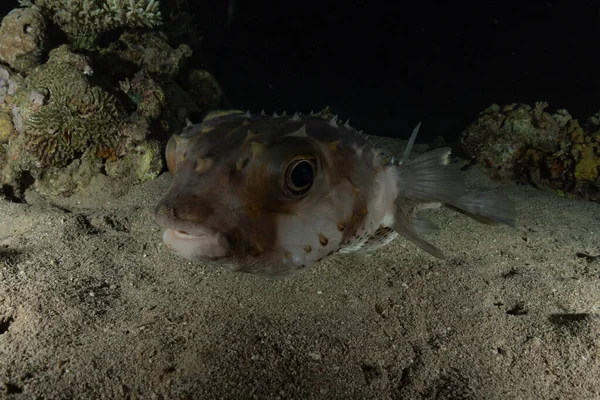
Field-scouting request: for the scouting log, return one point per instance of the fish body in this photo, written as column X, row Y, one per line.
column 273, row 195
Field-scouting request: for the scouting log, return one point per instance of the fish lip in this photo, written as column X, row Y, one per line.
column 184, row 228
column 186, row 236
column 203, row 247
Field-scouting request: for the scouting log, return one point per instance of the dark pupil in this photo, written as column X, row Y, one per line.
column 302, row 174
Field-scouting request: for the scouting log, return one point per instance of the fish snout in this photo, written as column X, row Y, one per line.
column 186, row 217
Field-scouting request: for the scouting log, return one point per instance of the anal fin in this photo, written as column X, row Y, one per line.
column 405, row 228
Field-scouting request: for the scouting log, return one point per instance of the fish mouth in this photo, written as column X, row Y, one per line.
column 203, row 245
column 187, row 236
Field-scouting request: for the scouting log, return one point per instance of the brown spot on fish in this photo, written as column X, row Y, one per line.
column 333, row 146
column 203, row 165
column 308, row 248
column 341, row 226
column 323, row 240
column 287, row 255
column 364, row 211
column 355, row 191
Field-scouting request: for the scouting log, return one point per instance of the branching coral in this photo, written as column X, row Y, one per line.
column 83, row 21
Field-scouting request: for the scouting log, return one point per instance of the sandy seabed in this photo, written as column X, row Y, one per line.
column 93, row 306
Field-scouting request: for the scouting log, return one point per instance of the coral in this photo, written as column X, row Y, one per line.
column 149, row 51
column 83, row 21
column 98, row 115
column 146, row 93
column 502, row 136
column 165, row 100
column 587, row 166
column 586, row 151
column 179, row 23
column 141, row 164
column 67, row 180
column 63, row 115
column 8, row 84
column 6, row 127
column 152, row 66
column 23, row 38
column 562, row 117
column 528, row 145
column 204, row 89
column 181, row 106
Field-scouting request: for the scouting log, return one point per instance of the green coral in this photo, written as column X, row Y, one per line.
column 83, row 21
column 74, row 116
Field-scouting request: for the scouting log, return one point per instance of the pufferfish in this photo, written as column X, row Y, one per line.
column 273, row 195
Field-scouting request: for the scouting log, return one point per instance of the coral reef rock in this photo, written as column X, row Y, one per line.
column 528, row 145
column 151, row 67
column 63, row 114
column 8, row 85
column 84, row 21
column 23, row 38
column 204, row 89
column 6, row 127
column 76, row 110
column 151, row 51
column 67, row 128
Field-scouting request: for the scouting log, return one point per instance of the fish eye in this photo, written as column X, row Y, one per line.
column 299, row 176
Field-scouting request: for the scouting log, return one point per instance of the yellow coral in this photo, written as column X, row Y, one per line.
column 588, row 164
column 575, row 131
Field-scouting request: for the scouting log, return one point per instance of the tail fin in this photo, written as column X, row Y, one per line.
column 429, row 179
column 486, row 207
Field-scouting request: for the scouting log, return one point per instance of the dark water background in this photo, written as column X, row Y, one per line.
column 387, row 65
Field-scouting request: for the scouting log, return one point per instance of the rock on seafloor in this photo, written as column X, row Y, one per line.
column 517, row 142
